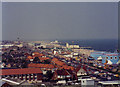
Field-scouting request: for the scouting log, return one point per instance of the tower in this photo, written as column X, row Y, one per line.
column 67, row 45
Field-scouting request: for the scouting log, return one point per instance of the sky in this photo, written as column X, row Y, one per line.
column 0, row 21
column 60, row 0
column 59, row 20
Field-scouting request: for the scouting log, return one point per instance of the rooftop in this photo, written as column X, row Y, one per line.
column 58, row 62
column 40, row 65
column 20, row 71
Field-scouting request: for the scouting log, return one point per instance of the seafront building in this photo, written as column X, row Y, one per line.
column 106, row 57
column 72, row 46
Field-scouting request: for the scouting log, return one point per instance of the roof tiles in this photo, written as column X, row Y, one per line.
column 41, row 65
column 56, row 61
column 20, row 71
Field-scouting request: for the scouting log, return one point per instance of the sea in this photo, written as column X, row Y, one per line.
column 108, row 45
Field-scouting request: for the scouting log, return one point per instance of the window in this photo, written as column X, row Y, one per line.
column 111, row 58
column 106, row 57
column 115, row 57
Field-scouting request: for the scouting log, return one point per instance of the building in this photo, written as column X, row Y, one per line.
column 61, row 74
column 81, row 70
column 6, row 45
column 42, row 66
column 72, row 46
column 109, row 58
column 4, row 84
column 109, row 83
column 57, row 62
column 34, row 74
column 54, row 42
column 87, row 82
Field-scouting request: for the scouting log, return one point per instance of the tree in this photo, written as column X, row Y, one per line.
column 36, row 59
column 47, row 61
column 24, row 65
column 49, row 75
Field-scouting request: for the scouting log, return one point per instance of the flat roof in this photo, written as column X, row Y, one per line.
column 109, row 82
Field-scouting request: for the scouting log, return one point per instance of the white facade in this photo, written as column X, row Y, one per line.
column 68, row 55
column 61, row 82
column 7, row 45
column 85, row 82
column 55, row 52
column 20, row 45
column 75, row 54
column 67, row 45
column 81, row 72
column 72, row 46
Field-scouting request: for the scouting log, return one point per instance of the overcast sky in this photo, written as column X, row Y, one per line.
column 0, row 21
column 50, row 20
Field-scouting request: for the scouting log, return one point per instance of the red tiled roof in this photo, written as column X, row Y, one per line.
column 26, row 54
column 30, row 57
column 62, row 72
column 40, row 65
column 37, row 54
column 79, row 67
column 43, row 58
column 20, row 71
column 67, row 67
column 56, row 61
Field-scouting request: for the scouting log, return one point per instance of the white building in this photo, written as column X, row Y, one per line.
column 61, row 82
column 75, row 53
column 87, row 82
column 6, row 45
column 55, row 42
column 68, row 55
column 72, row 46
column 81, row 72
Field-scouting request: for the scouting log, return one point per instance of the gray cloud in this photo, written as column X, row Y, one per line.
column 36, row 21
